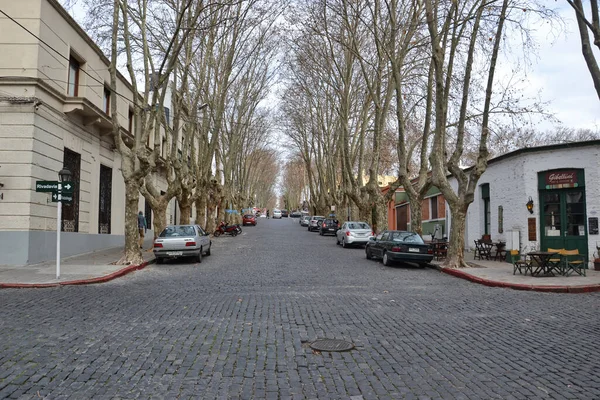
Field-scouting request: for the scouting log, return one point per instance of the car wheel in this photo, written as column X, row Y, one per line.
column 208, row 251
column 337, row 240
column 320, row 233
column 159, row 260
column 344, row 244
column 217, row 233
column 199, row 257
column 423, row 265
column 368, row 253
column 234, row 233
column 385, row 259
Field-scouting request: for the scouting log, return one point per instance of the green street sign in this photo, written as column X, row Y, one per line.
column 65, row 198
column 52, row 186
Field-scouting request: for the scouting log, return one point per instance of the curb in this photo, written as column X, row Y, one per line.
column 519, row 286
column 100, row 279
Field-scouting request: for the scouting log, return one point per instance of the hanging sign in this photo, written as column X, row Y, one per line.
column 561, row 179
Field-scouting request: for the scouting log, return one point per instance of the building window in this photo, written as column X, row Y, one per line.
column 70, row 211
column 434, row 207
column 73, row 83
column 105, row 200
column 130, row 126
column 487, row 217
column 106, row 101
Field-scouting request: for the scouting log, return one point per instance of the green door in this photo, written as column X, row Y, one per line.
column 563, row 220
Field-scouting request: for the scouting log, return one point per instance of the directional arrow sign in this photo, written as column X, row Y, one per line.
column 52, row 186
column 64, row 198
column 67, row 187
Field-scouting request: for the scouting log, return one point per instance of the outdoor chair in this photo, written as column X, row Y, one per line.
column 573, row 262
column 519, row 263
column 500, row 251
column 483, row 249
column 556, row 262
column 477, row 254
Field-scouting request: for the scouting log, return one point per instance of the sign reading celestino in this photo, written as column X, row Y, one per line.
column 561, row 179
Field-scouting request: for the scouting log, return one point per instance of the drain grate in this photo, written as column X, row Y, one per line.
column 331, row 345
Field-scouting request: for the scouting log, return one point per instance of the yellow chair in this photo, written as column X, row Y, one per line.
column 573, row 262
column 556, row 262
column 519, row 263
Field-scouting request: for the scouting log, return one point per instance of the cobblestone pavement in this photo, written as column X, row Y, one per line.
column 238, row 325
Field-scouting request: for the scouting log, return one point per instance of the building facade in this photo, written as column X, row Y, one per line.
column 560, row 182
column 54, row 114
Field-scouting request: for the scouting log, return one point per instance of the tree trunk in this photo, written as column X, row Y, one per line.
column 456, row 245
column 201, row 211
column 160, row 218
column 185, row 210
column 132, row 255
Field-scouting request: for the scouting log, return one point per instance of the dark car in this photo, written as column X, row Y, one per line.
column 284, row 213
column 295, row 214
column 329, row 226
column 249, row 219
column 399, row 246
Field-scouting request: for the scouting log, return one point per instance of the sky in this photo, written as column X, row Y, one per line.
column 557, row 73
column 560, row 75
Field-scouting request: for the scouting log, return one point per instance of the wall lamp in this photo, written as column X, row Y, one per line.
column 530, row 205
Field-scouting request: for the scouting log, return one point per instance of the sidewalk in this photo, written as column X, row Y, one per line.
column 500, row 274
column 87, row 268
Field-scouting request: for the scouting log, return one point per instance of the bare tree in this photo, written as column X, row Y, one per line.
column 589, row 23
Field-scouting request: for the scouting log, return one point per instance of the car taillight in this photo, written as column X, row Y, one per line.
column 347, row 233
column 396, row 249
column 324, row 225
column 189, row 244
column 430, row 251
column 372, row 233
column 158, row 244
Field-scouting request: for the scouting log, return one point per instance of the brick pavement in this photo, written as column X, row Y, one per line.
column 238, row 325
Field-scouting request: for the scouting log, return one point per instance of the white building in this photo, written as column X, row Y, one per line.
column 563, row 184
column 54, row 113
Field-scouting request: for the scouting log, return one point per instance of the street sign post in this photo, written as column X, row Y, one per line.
column 53, row 186
column 65, row 198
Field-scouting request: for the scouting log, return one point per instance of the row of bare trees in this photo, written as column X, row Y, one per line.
column 200, row 134
column 409, row 86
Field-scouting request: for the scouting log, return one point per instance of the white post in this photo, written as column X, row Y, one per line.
column 58, row 223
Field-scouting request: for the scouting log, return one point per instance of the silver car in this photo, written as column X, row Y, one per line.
column 182, row 241
column 304, row 220
column 313, row 224
column 353, row 233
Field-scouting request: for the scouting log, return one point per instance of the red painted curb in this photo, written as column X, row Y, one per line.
column 100, row 279
column 519, row 286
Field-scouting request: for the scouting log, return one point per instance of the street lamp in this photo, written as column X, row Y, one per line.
column 64, row 175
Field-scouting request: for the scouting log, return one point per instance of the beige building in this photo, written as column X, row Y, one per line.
column 54, row 106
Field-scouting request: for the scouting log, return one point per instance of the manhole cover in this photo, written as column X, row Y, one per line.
column 331, row 345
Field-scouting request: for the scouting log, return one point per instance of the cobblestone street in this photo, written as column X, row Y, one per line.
column 238, row 326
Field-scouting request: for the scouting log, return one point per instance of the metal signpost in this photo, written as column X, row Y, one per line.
column 60, row 191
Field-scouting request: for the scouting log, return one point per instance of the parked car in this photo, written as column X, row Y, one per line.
column 328, row 226
column 277, row 213
column 313, row 223
column 249, row 219
column 303, row 221
column 182, row 241
column 399, row 246
column 353, row 233
column 284, row 213
column 295, row 214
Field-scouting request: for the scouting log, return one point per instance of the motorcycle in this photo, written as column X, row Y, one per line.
column 224, row 229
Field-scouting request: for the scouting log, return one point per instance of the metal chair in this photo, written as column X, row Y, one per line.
column 519, row 263
column 556, row 262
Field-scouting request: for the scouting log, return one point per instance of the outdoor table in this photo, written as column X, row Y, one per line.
column 500, row 251
column 541, row 263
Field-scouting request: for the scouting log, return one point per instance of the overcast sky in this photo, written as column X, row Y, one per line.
column 561, row 77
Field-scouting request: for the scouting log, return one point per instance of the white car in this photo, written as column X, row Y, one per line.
column 277, row 213
column 182, row 241
column 353, row 233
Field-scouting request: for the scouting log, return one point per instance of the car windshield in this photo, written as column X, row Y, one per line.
column 248, row 216
column 358, row 225
column 408, row 237
column 178, row 231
